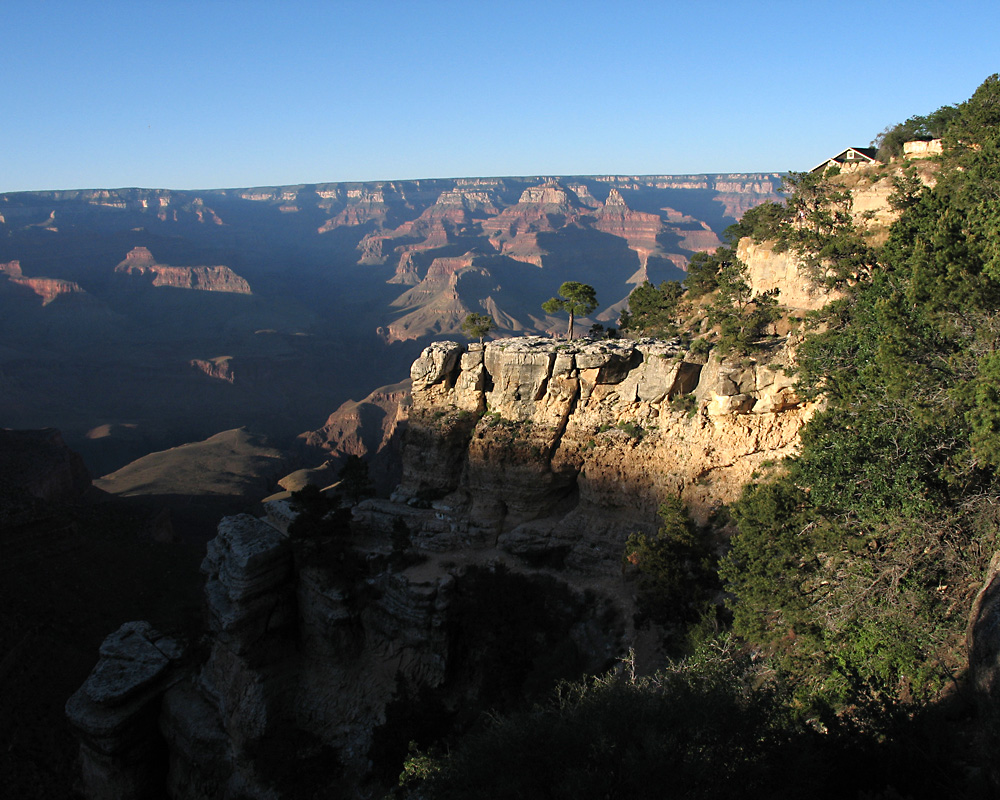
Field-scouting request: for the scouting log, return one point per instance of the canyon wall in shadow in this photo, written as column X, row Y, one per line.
column 136, row 320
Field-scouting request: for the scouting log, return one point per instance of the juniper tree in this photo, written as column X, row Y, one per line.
column 476, row 326
column 574, row 299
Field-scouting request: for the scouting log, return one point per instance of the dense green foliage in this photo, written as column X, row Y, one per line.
column 856, row 566
column 676, row 569
column 703, row 272
column 695, row 730
column 740, row 318
column 652, row 310
column 931, row 126
column 576, row 299
column 714, row 725
column 759, row 222
column 816, row 222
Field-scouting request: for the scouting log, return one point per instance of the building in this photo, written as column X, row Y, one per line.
column 850, row 157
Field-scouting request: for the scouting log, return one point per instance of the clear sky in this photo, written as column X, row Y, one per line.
column 234, row 93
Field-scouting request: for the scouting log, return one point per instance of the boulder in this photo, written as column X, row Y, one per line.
column 115, row 712
column 436, row 364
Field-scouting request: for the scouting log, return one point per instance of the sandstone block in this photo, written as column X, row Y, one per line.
column 247, row 557
column 565, row 364
column 653, row 381
column 473, row 358
column 248, row 585
column 784, row 271
column 436, row 364
column 469, row 387
column 519, row 379
column 115, row 714
column 722, row 405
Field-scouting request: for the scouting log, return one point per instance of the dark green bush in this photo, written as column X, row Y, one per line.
column 698, row 729
column 675, row 570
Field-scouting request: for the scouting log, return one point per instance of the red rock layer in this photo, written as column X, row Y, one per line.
column 637, row 228
column 46, row 288
column 370, row 429
column 218, row 368
column 140, row 263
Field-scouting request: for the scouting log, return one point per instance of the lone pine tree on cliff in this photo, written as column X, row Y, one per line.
column 574, row 298
column 476, row 326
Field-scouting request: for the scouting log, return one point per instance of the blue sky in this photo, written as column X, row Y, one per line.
column 217, row 93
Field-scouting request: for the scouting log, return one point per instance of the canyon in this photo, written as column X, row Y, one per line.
column 190, row 345
column 494, row 569
column 492, row 565
column 137, row 320
column 526, row 464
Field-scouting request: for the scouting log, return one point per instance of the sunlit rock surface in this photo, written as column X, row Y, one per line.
column 558, row 450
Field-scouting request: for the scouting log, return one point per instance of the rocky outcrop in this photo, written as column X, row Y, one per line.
column 639, row 229
column 442, row 224
column 739, row 193
column 526, row 464
column 770, row 267
column 148, row 722
column 922, row 149
column 219, row 368
column 557, row 451
column 363, row 206
column 436, row 302
column 115, row 714
column 140, row 264
column 868, row 189
column 321, row 663
column 46, row 288
column 540, row 209
column 371, row 429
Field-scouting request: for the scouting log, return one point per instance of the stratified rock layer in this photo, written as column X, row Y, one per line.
column 140, row 264
column 115, row 713
column 310, row 656
column 526, row 464
column 557, row 451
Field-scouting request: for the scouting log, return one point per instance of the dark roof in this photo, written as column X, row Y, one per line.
column 867, row 153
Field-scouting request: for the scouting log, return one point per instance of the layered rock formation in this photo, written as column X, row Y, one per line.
column 116, row 713
column 220, row 368
column 331, row 267
column 556, row 452
column 526, row 464
column 316, row 661
column 642, row 231
column 140, row 263
column 46, row 288
column 372, row 429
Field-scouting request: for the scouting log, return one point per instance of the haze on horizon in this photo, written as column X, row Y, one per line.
column 194, row 95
